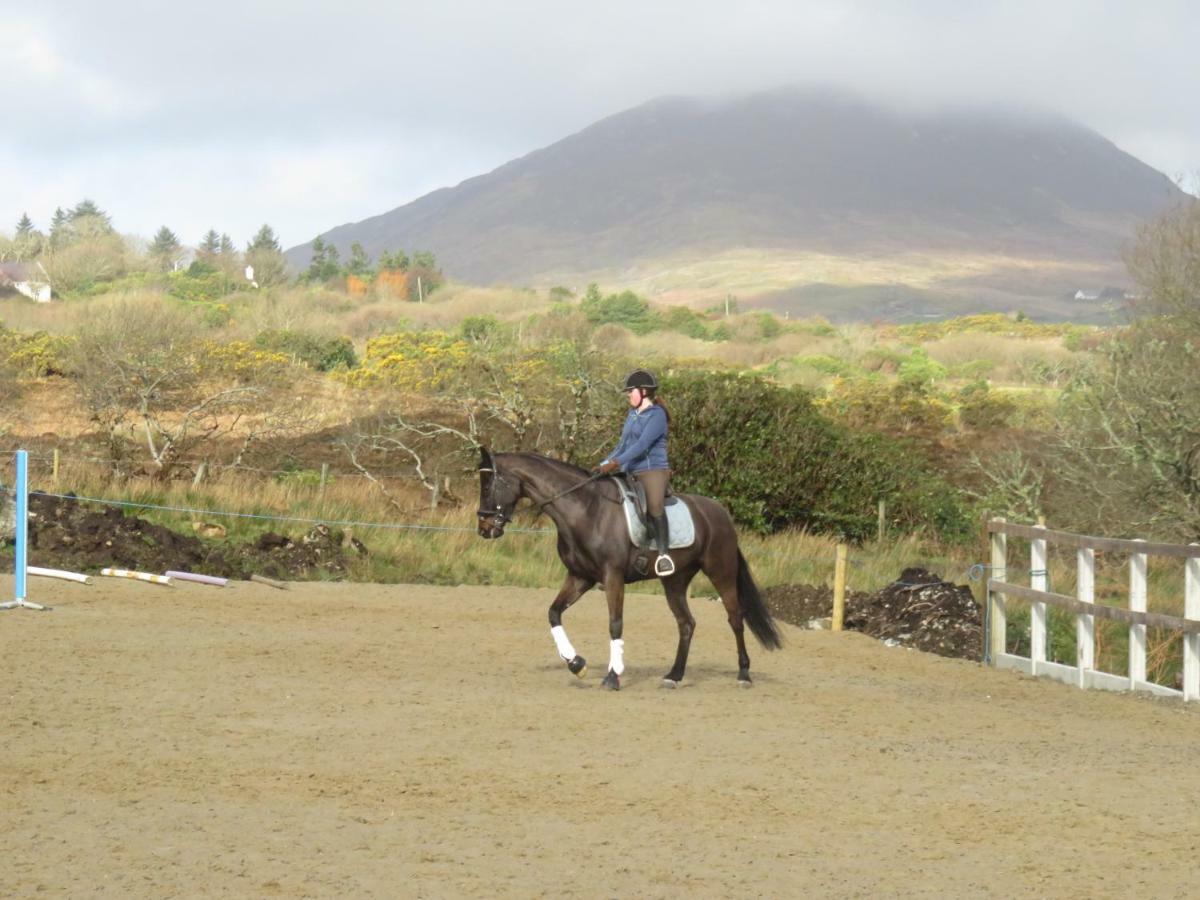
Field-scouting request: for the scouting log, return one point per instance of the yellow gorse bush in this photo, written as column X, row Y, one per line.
column 243, row 360
column 33, row 355
column 412, row 361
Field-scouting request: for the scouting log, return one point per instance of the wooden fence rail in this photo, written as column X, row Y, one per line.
column 1083, row 673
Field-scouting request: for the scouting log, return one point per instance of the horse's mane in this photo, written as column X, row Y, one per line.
column 565, row 468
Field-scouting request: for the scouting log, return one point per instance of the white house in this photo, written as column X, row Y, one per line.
column 28, row 279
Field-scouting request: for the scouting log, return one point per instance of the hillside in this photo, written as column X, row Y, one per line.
column 800, row 200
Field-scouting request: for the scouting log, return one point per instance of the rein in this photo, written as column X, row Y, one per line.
column 499, row 514
column 586, row 481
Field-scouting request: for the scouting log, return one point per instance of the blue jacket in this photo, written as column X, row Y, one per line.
column 643, row 443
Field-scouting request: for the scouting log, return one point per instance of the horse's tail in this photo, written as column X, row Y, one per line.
column 754, row 610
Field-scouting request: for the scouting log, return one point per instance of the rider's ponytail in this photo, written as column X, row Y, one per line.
column 657, row 401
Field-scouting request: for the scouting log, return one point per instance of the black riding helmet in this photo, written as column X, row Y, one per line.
column 640, row 378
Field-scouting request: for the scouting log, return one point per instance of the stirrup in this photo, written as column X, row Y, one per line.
column 664, row 565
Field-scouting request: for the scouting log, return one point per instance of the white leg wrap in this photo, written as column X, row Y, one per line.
column 616, row 656
column 565, row 650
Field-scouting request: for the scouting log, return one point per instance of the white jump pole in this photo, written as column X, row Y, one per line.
column 20, row 572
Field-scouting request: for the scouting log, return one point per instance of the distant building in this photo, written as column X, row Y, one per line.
column 29, row 279
column 1107, row 294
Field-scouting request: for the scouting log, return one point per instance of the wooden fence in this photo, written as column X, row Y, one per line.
column 1083, row 673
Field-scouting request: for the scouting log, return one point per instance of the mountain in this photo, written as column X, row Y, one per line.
column 798, row 199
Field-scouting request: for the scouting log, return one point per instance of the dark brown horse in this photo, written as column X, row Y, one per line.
column 594, row 545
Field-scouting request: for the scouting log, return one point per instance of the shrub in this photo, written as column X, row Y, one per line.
column 625, row 308
column 685, row 321
column 776, row 462
column 479, row 329
column 769, row 326
column 216, row 315
column 919, row 369
column 33, row 355
column 198, row 283
column 318, row 353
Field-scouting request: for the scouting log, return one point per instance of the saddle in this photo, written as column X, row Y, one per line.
column 632, row 489
column 679, row 515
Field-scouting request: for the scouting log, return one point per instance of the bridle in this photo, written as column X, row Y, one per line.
column 497, row 514
column 497, row 511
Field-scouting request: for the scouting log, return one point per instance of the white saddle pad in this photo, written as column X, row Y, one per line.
column 679, row 523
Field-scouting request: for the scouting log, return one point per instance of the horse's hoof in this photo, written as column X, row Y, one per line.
column 745, row 682
column 612, row 681
column 670, row 683
column 577, row 666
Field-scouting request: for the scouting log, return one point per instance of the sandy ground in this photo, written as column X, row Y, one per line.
column 340, row 740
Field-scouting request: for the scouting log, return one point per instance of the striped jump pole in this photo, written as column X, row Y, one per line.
column 20, row 570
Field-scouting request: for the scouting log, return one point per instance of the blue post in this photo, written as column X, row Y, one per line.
column 22, row 562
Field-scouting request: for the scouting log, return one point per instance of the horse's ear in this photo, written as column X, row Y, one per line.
column 485, row 458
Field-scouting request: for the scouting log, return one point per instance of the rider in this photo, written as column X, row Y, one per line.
column 642, row 452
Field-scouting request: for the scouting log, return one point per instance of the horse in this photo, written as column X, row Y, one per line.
column 595, row 547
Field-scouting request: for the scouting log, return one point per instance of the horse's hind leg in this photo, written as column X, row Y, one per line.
column 573, row 588
column 676, row 589
column 724, row 579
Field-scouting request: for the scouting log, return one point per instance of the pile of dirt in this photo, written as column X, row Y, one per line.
column 918, row 610
column 67, row 534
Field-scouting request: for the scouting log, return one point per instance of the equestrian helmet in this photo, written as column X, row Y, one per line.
column 640, row 378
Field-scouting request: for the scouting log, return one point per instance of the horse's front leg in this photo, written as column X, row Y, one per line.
column 614, row 590
column 573, row 588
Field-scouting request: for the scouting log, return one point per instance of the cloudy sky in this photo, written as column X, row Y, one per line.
column 307, row 115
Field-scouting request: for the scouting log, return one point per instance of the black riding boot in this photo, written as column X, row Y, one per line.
column 664, row 564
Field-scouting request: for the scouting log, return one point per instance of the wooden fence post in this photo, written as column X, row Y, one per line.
column 1085, row 625
column 882, row 520
column 1137, row 603
column 56, row 460
column 997, row 614
column 200, row 472
column 1038, row 580
column 839, row 589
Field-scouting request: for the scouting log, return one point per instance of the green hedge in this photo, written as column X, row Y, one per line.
column 769, row 455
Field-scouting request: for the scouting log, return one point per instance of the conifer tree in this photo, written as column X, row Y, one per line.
column 265, row 240
column 316, row 265
column 165, row 250
column 28, row 242
column 266, row 257
column 210, row 245
column 88, row 218
column 393, row 262
column 359, row 264
column 59, row 229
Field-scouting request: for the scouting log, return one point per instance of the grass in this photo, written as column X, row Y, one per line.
column 410, row 543
column 749, row 271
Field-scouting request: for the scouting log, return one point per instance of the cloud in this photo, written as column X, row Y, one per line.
column 235, row 185
column 54, row 84
column 241, row 112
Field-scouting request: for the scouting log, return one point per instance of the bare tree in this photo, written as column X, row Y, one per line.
column 1165, row 262
column 433, row 450
column 1129, row 428
column 1129, row 436
column 146, row 367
